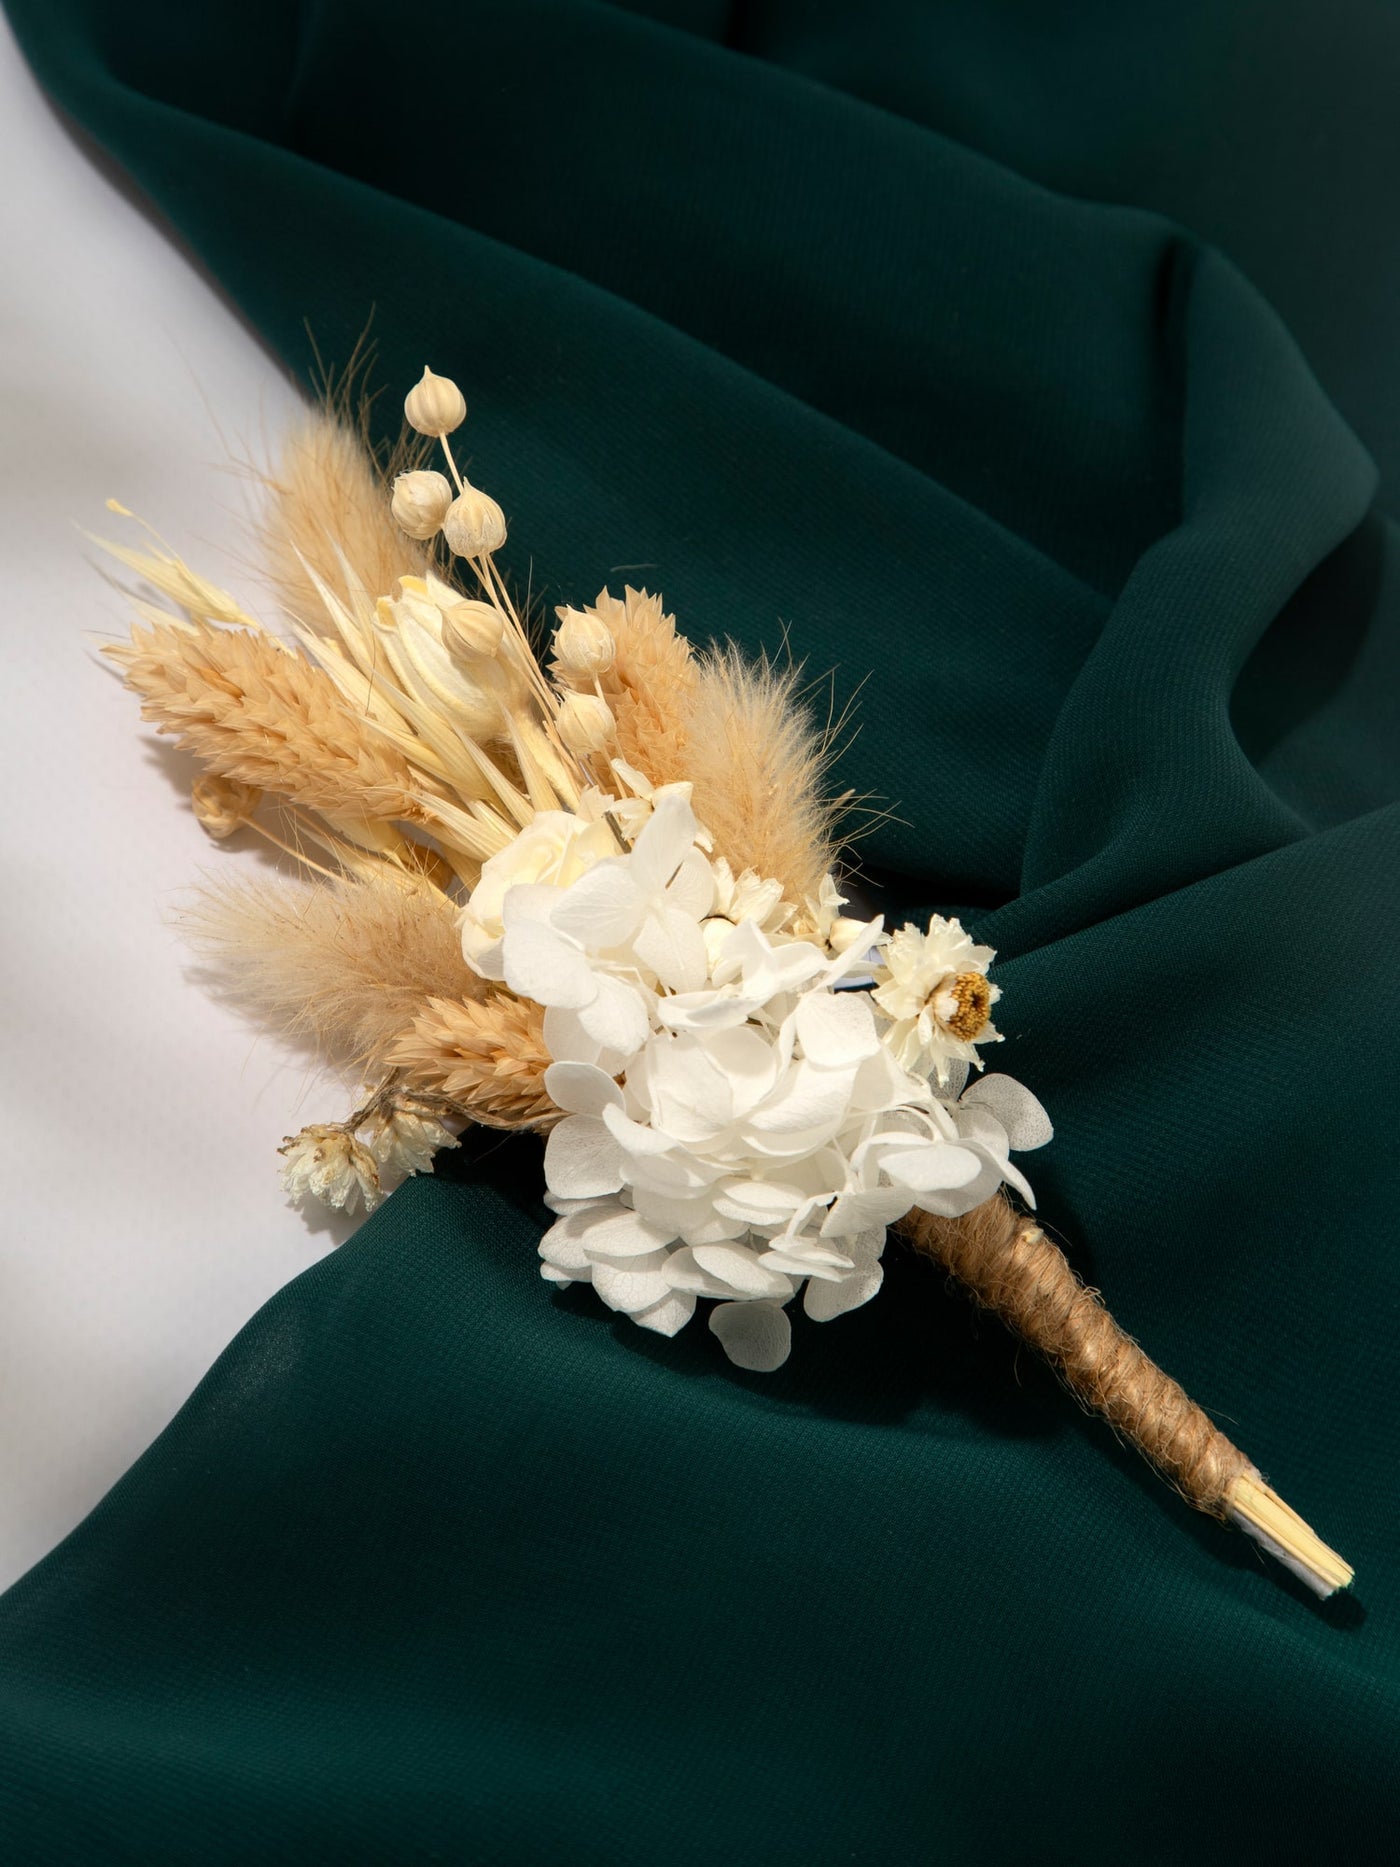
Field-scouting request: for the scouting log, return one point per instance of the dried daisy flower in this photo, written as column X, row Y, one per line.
column 404, row 1137
column 326, row 1162
column 934, row 987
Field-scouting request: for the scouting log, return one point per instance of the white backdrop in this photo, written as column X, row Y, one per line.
column 142, row 1220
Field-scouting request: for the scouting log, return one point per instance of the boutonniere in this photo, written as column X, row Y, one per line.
column 591, row 886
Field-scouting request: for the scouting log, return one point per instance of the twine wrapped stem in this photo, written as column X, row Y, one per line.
column 1008, row 1266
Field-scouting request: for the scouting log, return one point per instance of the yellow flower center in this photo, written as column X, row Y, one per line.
column 972, row 998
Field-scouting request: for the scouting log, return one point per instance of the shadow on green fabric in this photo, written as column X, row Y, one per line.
column 1036, row 367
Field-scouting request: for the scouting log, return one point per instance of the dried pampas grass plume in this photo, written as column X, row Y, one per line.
column 346, row 965
column 488, row 1056
column 327, row 516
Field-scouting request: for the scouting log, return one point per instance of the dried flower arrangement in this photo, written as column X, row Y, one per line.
column 597, row 897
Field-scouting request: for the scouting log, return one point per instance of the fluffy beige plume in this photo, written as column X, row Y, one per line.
column 488, row 1055
column 757, row 761
column 736, row 730
column 327, row 512
column 345, row 965
column 259, row 712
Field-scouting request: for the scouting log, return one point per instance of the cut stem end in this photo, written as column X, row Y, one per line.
column 1258, row 1510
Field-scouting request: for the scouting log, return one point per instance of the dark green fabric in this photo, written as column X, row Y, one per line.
column 1014, row 357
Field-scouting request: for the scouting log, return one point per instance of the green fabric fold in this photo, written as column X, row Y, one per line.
column 926, row 334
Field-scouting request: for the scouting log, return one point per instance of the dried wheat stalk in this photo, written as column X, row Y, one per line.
column 487, row 1055
column 261, row 713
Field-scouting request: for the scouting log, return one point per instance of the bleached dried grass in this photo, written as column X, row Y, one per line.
column 345, row 965
column 326, row 515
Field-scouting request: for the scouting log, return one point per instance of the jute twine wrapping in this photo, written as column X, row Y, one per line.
column 1008, row 1265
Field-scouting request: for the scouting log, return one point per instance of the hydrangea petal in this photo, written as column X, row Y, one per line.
column 739, row 1268
column 683, row 1273
column 670, row 944
column 852, row 1213
column 527, row 902
column 602, row 908
column 563, row 1244
column 636, row 1287
column 836, row 1029
column 620, row 1233
column 1020, row 1114
column 634, row 1136
column 710, row 1009
column 756, row 1336
column 951, row 1202
column 543, row 965
column 666, row 839
column 823, row 1301
column 581, row 1088
column 805, row 1260
column 807, row 1099
column 750, row 1063
column 552, row 1274
column 668, row 1316
column 615, row 1017
column 581, row 1159
column 759, row 1202
column 694, row 1221
column 692, row 888
column 932, row 1169
column 566, row 1040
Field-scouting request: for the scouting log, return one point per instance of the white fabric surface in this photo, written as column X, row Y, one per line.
column 143, row 1222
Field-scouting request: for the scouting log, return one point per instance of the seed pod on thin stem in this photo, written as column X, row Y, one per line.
column 471, row 630
column 586, row 724
column 435, row 405
column 420, row 502
column 583, row 646
column 474, row 524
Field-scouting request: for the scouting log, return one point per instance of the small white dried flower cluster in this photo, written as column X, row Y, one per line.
column 327, row 1162
column 740, row 1123
column 424, row 503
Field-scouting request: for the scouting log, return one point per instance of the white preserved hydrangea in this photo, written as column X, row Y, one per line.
column 737, row 1125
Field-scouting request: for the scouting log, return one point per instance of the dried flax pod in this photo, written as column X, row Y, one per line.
column 590, row 890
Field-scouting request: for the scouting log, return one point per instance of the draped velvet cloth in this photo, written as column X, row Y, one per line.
column 1037, row 366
